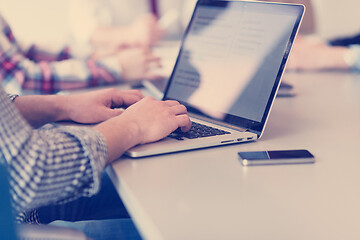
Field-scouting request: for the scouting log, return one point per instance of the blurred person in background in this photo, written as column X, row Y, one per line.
column 317, row 55
column 101, row 26
column 83, row 24
column 41, row 71
column 334, row 43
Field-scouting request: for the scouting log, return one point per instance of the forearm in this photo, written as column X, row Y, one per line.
column 336, row 58
column 41, row 109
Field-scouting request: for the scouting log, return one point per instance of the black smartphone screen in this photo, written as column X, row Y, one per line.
column 283, row 154
column 276, row 157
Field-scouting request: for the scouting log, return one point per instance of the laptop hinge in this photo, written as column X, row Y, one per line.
column 255, row 132
column 218, row 122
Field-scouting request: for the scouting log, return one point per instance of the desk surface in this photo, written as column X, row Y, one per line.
column 207, row 194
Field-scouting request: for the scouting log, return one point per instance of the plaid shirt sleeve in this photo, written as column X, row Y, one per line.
column 37, row 54
column 30, row 72
column 48, row 165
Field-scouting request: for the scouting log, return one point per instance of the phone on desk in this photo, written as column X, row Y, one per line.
column 297, row 156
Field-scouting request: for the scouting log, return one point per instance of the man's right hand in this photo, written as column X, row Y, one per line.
column 146, row 121
column 157, row 119
column 138, row 63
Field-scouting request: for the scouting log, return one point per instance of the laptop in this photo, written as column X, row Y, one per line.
column 227, row 72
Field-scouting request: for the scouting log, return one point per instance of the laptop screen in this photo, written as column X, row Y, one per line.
column 232, row 58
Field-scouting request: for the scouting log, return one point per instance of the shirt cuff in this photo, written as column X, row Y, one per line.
column 95, row 148
column 12, row 96
column 112, row 65
column 352, row 57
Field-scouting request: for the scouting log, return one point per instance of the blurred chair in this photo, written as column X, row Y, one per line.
column 11, row 231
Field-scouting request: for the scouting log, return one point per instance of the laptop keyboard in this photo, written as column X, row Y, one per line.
column 197, row 130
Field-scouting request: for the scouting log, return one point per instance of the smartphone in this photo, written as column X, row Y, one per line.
column 297, row 156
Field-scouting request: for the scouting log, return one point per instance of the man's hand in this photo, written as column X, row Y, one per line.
column 146, row 121
column 138, row 63
column 157, row 119
column 91, row 107
column 97, row 106
column 135, row 63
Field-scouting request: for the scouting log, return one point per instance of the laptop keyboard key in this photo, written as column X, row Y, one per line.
column 197, row 130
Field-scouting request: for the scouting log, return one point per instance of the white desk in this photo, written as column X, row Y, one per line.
column 207, row 194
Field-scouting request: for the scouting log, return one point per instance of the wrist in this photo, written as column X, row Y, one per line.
column 349, row 59
column 121, row 134
column 61, row 107
column 352, row 57
column 112, row 65
column 41, row 109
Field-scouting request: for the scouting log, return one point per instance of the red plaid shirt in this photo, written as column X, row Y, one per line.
column 43, row 72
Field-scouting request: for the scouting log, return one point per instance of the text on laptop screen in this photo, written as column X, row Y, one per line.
column 230, row 58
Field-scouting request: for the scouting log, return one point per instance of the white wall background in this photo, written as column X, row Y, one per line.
column 337, row 17
column 40, row 21
column 45, row 21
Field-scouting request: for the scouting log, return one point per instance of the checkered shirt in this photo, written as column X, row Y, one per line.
column 52, row 164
